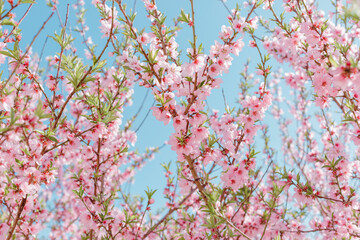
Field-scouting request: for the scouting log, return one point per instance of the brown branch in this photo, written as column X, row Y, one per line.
column 83, row 78
column 168, row 214
column 27, row 11
column 193, row 26
column 62, row 48
column 12, row 8
column 23, row 56
column 18, row 214
column 129, row 23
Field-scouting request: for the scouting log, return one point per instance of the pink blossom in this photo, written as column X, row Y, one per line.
column 4, row 228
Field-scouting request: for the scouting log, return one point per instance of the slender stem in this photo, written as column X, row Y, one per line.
column 237, row 229
column 23, row 56
column 11, row 9
column 15, row 27
column 40, row 57
column 193, row 27
column 84, row 77
column 226, row 7
column 135, row 37
column 168, row 214
column 147, row 114
column 61, row 51
column 18, row 214
column 267, row 223
column 142, row 219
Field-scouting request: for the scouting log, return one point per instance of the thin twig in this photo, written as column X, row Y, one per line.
column 27, row 50
column 15, row 27
column 18, row 214
column 226, row 7
column 62, row 48
column 142, row 122
column 61, row 51
column 41, row 53
column 168, row 214
column 257, row 185
column 134, row 6
column 84, row 77
column 142, row 103
column 225, row 102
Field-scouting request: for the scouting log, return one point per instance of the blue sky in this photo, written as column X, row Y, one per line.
column 210, row 15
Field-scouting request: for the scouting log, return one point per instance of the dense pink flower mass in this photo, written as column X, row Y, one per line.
column 281, row 163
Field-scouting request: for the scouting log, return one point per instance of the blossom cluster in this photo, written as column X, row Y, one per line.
column 67, row 150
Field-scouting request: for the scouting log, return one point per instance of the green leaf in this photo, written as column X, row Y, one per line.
column 81, row 191
column 52, row 138
column 26, row 151
column 6, row 53
column 28, row 1
column 278, row 237
column 150, row 193
column 13, row 119
column 7, row 22
column 20, row 163
column 183, row 17
column 76, row 192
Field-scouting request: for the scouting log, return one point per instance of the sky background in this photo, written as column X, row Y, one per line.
column 210, row 15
